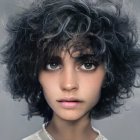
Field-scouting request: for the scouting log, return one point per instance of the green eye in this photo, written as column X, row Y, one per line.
column 53, row 66
column 88, row 66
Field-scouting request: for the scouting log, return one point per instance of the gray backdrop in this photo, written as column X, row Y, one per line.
column 14, row 126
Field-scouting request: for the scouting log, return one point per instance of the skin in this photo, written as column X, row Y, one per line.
column 71, row 81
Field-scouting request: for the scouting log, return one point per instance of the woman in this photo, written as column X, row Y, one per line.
column 71, row 61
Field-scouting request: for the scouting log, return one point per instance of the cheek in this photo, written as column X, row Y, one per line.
column 92, row 82
column 91, row 86
column 47, row 85
column 47, row 82
column 48, row 90
column 91, row 90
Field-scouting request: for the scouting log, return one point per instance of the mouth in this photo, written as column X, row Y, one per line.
column 69, row 103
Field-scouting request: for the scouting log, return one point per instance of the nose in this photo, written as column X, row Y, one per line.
column 69, row 81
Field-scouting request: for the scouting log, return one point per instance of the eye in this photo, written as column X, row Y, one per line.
column 88, row 66
column 53, row 66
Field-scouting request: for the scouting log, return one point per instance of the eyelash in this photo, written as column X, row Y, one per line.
column 91, row 66
column 54, row 66
column 49, row 68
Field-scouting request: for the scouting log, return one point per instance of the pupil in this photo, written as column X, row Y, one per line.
column 53, row 65
column 88, row 65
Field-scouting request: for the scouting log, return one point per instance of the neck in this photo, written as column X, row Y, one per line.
column 67, row 130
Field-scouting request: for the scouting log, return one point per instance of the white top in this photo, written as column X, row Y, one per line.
column 44, row 135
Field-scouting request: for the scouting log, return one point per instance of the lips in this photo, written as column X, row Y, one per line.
column 69, row 103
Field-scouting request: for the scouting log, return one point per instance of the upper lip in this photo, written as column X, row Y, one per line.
column 69, row 100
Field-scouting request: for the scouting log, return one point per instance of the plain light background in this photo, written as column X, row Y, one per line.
column 15, row 126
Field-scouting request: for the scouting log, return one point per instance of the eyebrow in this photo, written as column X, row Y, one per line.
column 55, row 58
column 79, row 58
column 85, row 57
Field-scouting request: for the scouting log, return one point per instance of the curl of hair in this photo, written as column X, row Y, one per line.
column 40, row 31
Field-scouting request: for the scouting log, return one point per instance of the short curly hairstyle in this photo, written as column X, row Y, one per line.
column 45, row 28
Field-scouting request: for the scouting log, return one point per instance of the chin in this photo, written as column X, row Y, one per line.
column 73, row 116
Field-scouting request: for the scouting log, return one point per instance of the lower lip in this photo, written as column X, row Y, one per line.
column 69, row 105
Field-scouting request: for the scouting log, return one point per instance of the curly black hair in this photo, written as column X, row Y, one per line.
column 45, row 28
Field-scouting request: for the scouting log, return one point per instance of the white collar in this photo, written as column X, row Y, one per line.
column 99, row 137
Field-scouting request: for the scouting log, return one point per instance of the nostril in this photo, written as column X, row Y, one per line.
column 70, row 87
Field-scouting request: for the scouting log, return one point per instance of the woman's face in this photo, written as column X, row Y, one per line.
column 72, row 84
